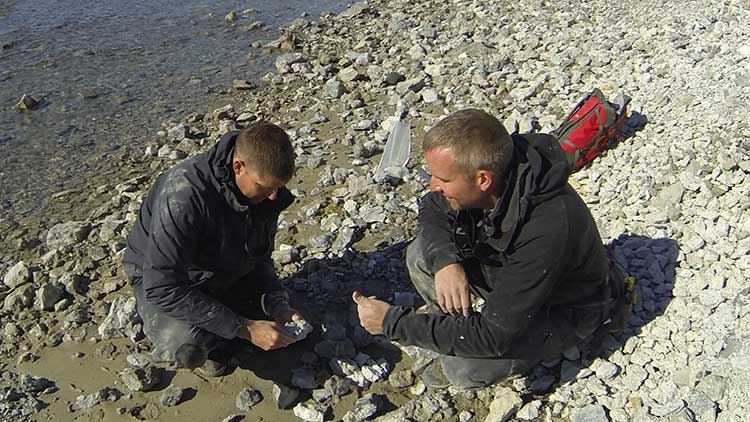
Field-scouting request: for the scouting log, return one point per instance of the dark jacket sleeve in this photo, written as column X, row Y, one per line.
column 176, row 226
column 520, row 288
column 435, row 225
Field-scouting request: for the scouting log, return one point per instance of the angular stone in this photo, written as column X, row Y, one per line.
column 713, row 386
column 284, row 396
column 298, row 329
column 27, row 102
column 333, row 88
column 605, row 370
column 248, row 398
column 17, row 274
column 363, row 409
column 304, row 378
column 47, row 296
column 141, row 379
column 120, row 320
column 68, row 234
column 309, row 412
column 590, row 413
column 349, row 74
column 172, row 396
column 504, row 405
column 530, row 411
column 20, row 298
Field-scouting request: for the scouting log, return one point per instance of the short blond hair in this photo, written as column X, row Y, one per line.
column 477, row 139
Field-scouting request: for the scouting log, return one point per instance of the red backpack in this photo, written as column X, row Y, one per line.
column 593, row 125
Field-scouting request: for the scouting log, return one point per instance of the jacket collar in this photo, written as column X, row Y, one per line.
column 537, row 172
column 222, row 177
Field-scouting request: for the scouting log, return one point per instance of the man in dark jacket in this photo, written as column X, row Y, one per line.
column 199, row 255
column 502, row 224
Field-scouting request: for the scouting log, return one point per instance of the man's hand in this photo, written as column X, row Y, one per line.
column 265, row 334
column 284, row 313
column 371, row 312
column 452, row 290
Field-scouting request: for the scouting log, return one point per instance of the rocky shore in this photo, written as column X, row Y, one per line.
column 671, row 203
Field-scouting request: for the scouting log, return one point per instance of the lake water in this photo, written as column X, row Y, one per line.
column 108, row 73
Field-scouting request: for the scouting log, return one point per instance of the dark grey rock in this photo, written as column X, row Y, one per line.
column 304, row 378
column 27, row 102
column 284, row 396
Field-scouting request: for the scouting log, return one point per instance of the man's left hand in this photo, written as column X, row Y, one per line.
column 371, row 312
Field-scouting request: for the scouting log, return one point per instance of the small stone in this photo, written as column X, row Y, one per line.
column 27, row 102
column 141, row 379
column 172, row 396
column 333, row 88
column 590, row 413
column 242, row 85
column 363, row 409
column 120, row 320
column 247, row 398
column 67, row 234
column 284, row 396
column 504, row 405
column 309, row 412
column 605, row 370
column 47, row 296
column 304, row 378
column 298, row 329
column 17, row 274
column 231, row 17
column 530, row 411
column 713, row 386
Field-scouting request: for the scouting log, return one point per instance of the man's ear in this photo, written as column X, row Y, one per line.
column 485, row 180
column 237, row 166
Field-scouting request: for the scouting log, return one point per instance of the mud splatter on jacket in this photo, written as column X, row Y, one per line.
column 196, row 234
column 539, row 252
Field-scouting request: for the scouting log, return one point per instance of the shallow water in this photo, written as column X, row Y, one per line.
column 108, row 73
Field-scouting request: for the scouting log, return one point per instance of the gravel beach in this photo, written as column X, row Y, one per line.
column 671, row 203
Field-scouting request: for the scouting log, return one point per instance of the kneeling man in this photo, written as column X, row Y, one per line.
column 500, row 223
column 199, row 255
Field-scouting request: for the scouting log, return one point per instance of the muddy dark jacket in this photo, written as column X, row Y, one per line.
column 196, row 235
column 539, row 253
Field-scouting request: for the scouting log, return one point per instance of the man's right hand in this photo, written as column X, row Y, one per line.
column 452, row 290
column 265, row 334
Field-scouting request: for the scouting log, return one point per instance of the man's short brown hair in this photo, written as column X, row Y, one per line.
column 266, row 148
column 476, row 138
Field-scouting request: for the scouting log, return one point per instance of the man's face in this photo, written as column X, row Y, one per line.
column 461, row 191
column 253, row 185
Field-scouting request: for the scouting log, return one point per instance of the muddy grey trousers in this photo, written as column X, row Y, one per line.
column 460, row 371
column 169, row 334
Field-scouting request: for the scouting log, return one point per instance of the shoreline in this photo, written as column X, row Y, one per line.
column 668, row 202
